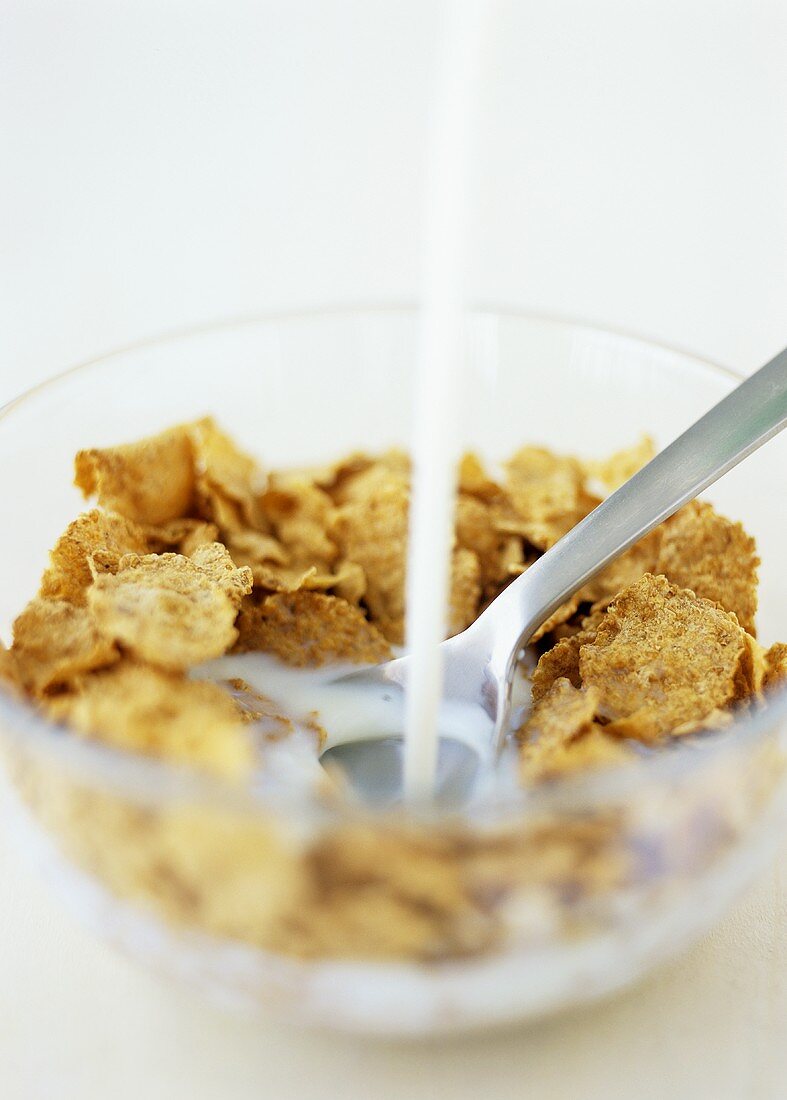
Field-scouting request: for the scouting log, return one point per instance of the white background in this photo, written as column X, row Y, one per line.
column 163, row 163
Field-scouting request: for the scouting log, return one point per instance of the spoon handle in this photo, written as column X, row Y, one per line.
column 740, row 423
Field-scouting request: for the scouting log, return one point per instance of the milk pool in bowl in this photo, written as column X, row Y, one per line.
column 301, row 391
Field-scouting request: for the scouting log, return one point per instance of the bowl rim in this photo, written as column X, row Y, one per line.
column 328, row 310
column 151, row 779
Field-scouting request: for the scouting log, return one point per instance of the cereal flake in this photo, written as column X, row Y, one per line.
column 168, row 609
column 161, row 714
column 662, row 657
column 712, row 556
column 613, row 471
column 56, row 641
column 372, row 532
column 560, row 735
column 548, row 494
column 310, row 628
column 149, row 482
column 68, row 575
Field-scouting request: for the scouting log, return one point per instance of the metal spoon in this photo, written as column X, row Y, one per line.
column 479, row 663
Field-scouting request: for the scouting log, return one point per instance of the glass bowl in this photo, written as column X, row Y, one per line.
column 374, row 922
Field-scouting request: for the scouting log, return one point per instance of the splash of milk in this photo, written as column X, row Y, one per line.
column 347, row 711
column 439, row 382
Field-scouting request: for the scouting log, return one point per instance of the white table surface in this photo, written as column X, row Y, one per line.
column 168, row 163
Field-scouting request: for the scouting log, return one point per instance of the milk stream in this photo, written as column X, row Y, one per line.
column 439, row 382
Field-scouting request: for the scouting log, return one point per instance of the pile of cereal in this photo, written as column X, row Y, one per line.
column 193, row 552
